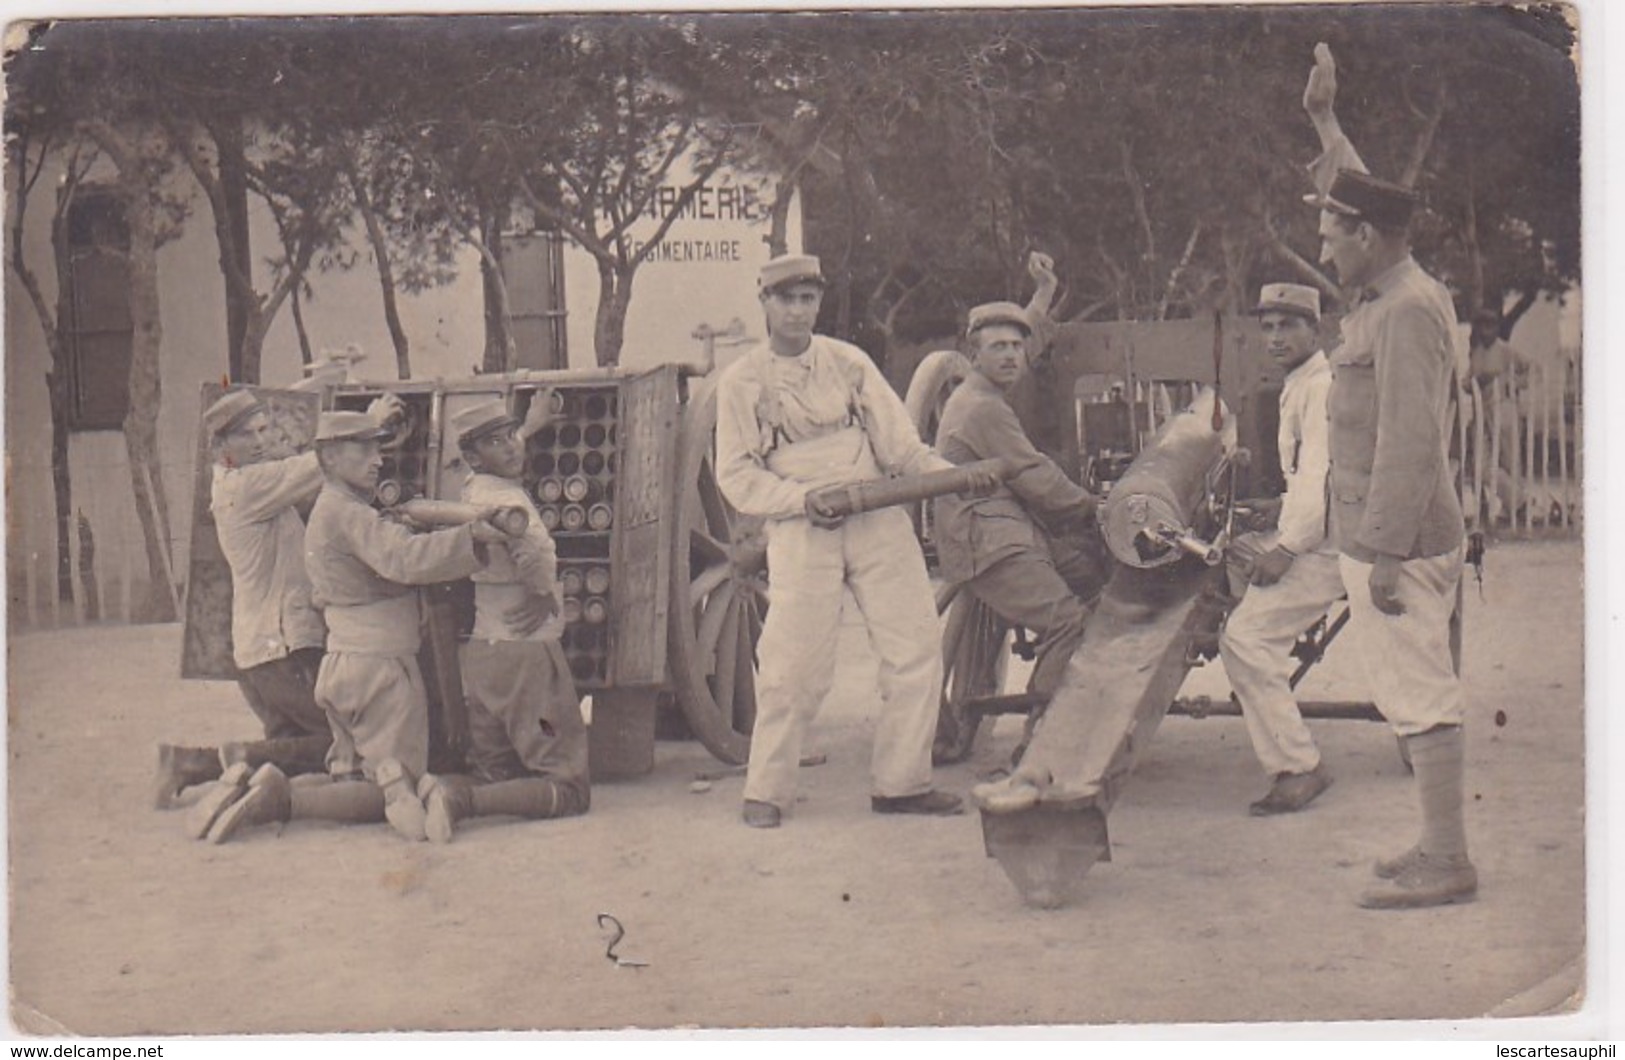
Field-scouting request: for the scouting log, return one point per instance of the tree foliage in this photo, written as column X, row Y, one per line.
column 1157, row 153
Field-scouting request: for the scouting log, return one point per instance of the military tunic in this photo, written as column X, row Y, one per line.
column 364, row 570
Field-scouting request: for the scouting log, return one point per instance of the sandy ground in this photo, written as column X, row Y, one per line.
column 121, row 926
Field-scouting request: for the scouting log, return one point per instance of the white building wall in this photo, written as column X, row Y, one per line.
column 707, row 276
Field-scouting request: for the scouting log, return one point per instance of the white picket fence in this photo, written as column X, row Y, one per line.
column 1519, row 450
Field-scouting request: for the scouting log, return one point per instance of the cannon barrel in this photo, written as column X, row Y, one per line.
column 852, row 498
column 1149, row 517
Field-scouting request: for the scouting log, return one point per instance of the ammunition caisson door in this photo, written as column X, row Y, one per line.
column 206, row 648
column 644, row 498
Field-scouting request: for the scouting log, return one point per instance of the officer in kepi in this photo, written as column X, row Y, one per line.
column 1394, row 506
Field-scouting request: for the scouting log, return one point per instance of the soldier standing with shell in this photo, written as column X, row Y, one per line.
column 800, row 412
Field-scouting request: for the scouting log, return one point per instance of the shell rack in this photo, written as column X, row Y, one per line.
column 570, row 472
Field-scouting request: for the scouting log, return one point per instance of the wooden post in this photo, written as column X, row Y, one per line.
column 1483, row 507
column 1495, row 444
column 1527, row 413
column 169, row 564
column 31, row 588
column 1546, row 444
column 1579, row 431
column 126, row 576
column 56, row 604
column 1563, row 436
column 75, row 561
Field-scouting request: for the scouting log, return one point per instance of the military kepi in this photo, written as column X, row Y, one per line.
column 477, row 421
column 1356, row 194
column 998, row 313
column 1289, row 298
column 349, row 427
column 790, row 268
column 230, row 410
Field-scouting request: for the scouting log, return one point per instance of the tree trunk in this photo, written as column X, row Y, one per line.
column 57, row 385
column 87, row 570
column 778, row 238
column 250, row 353
column 386, row 274
column 61, row 483
column 228, row 139
column 141, row 420
column 1239, row 254
column 609, row 324
column 305, row 354
column 499, row 344
column 1469, row 236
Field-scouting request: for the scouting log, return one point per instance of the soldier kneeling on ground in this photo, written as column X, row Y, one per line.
column 527, row 740
column 364, row 569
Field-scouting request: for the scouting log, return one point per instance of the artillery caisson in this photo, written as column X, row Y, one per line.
column 665, row 585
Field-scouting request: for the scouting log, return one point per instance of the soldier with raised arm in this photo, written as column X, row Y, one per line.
column 364, row 571
column 255, row 495
column 1394, row 507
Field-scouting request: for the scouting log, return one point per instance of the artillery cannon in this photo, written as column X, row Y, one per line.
column 1169, row 456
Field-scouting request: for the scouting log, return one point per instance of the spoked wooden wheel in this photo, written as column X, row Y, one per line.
column 973, row 665
column 719, row 592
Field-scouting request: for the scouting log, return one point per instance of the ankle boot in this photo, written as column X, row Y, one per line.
column 182, row 767
column 268, row 802
column 402, row 807
column 447, row 799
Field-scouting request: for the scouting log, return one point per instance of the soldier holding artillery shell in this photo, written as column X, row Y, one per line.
column 364, row 569
column 276, row 632
column 801, row 412
column 527, row 742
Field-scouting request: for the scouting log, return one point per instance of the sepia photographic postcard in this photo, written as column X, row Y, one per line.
column 1062, row 520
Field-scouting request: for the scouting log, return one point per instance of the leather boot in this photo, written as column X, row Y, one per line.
column 221, row 794
column 182, row 767
column 402, row 806
column 268, row 802
column 294, row 755
column 533, row 798
column 347, row 801
column 447, row 799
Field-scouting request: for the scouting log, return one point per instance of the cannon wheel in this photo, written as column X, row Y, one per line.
column 719, row 592
column 973, row 666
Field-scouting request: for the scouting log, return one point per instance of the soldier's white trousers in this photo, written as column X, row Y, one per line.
column 877, row 555
column 1413, row 680
column 1256, row 647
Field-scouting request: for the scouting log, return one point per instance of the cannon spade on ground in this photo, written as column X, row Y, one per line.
column 1165, row 523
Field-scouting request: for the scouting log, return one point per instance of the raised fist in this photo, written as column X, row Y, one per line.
column 386, row 410
column 1041, row 267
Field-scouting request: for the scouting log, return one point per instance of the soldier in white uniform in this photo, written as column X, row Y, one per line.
column 1294, row 572
column 527, row 740
column 800, row 412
